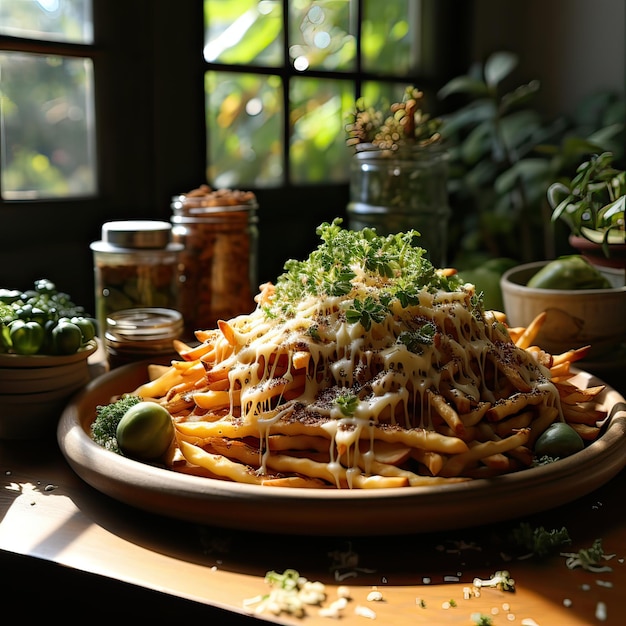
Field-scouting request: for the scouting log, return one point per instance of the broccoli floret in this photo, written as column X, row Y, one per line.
column 108, row 416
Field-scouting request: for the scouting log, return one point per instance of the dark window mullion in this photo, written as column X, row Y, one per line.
column 358, row 81
column 286, row 79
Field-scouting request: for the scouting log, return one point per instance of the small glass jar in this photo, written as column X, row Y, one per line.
column 400, row 191
column 136, row 264
column 142, row 334
column 219, row 234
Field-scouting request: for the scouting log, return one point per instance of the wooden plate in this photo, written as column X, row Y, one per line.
column 327, row 511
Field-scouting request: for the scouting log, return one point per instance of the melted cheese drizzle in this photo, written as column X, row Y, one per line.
column 393, row 380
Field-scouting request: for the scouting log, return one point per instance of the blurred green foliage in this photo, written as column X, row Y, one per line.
column 46, row 105
column 504, row 156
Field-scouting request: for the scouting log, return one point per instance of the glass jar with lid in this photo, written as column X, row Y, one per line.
column 397, row 191
column 219, row 234
column 136, row 264
column 142, row 334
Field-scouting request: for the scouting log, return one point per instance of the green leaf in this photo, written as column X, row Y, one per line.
column 525, row 170
column 590, row 108
column 347, row 403
column 602, row 138
column 469, row 116
column 463, row 84
column 613, row 211
column 415, row 341
column 518, row 127
column 519, row 96
column 478, row 143
column 482, row 174
column 573, row 148
column 498, row 66
column 557, row 193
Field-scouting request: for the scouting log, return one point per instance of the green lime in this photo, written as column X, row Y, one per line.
column 145, row 431
column 558, row 440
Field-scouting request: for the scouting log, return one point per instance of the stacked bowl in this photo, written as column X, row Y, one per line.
column 34, row 389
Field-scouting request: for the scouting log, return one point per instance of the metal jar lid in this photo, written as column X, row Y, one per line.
column 137, row 233
column 144, row 324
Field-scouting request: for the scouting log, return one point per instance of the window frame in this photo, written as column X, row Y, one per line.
column 150, row 120
column 427, row 79
column 304, row 206
column 138, row 159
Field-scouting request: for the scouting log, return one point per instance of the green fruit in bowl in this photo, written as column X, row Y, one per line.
column 569, row 272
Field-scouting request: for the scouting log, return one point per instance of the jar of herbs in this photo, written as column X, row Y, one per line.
column 401, row 190
column 136, row 264
column 219, row 234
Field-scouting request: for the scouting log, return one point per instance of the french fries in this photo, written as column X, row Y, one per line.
column 459, row 435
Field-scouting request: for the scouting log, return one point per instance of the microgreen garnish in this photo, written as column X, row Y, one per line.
column 539, row 541
column 347, row 404
column 416, row 340
column 500, row 580
column 366, row 312
column 347, row 261
column 476, row 301
column 313, row 331
column 589, row 559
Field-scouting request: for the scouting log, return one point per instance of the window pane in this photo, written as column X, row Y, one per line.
column 55, row 20
column 319, row 110
column 47, row 122
column 244, row 122
column 243, row 31
column 389, row 36
column 322, row 34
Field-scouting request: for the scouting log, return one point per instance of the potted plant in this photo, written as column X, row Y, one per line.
column 582, row 299
column 592, row 204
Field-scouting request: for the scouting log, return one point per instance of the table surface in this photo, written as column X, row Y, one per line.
column 61, row 533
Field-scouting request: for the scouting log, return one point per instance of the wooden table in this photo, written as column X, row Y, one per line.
column 69, row 551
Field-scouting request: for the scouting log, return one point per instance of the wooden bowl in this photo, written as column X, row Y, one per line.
column 34, row 390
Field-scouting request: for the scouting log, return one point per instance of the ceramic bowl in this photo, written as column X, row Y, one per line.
column 35, row 389
column 575, row 318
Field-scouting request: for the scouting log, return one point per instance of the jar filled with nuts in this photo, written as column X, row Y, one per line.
column 136, row 264
column 218, row 231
